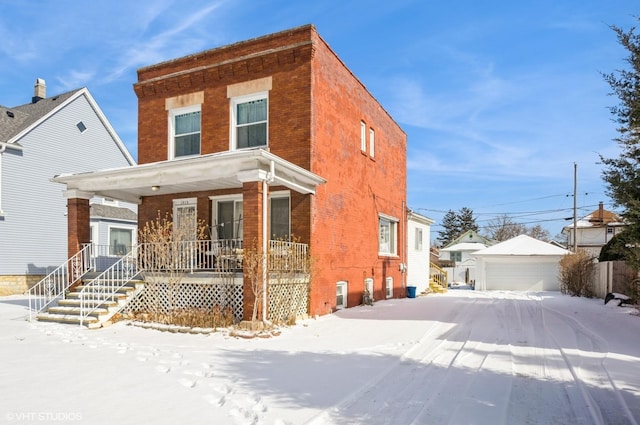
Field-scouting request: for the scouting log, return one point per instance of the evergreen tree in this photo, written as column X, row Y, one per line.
column 454, row 224
column 622, row 174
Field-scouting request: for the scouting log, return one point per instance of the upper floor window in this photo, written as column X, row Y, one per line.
column 372, row 143
column 363, row 136
column 455, row 256
column 185, row 131
column 249, row 118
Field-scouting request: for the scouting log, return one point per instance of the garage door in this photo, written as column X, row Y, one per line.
column 522, row 276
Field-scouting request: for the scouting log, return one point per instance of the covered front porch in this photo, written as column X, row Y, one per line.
column 199, row 187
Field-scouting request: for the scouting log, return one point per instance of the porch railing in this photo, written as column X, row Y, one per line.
column 106, row 286
column 438, row 275
column 288, row 256
column 56, row 283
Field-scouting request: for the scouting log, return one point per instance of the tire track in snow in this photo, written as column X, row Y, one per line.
column 613, row 403
column 431, row 360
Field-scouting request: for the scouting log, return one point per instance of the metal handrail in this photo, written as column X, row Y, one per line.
column 56, row 283
column 107, row 284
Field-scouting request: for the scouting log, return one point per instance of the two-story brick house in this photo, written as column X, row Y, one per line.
column 272, row 137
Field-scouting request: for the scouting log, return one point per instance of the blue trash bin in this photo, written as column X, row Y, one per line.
column 411, row 291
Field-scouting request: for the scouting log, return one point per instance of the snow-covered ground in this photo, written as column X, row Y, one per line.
column 463, row 357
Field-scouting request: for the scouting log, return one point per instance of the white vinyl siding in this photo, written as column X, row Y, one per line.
column 35, row 221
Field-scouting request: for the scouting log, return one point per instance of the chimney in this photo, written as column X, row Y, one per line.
column 39, row 90
column 601, row 212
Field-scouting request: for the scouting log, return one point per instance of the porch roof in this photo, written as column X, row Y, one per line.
column 224, row 170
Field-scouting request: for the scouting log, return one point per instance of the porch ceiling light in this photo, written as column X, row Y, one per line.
column 155, row 188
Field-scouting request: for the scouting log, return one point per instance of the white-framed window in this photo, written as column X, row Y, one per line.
column 368, row 287
column 227, row 217
column 120, row 240
column 609, row 230
column 280, row 215
column 418, row 240
column 455, row 256
column 389, row 286
column 249, row 121
column 372, row 143
column 185, row 219
column 184, row 131
column 388, row 235
column 363, row 136
column 341, row 294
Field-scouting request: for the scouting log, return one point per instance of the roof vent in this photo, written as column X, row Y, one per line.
column 39, row 90
column 10, row 114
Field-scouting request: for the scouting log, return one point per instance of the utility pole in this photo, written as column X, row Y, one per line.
column 575, row 207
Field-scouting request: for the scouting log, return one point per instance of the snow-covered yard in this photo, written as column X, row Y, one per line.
column 463, row 357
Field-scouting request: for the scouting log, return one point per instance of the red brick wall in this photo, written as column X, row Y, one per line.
column 358, row 188
column 315, row 109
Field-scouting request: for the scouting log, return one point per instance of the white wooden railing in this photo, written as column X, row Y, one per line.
column 56, row 283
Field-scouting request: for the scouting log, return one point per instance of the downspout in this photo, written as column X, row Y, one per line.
column 269, row 179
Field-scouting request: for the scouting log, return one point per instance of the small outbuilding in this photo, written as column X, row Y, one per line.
column 522, row 263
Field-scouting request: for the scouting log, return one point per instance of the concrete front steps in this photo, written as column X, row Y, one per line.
column 67, row 310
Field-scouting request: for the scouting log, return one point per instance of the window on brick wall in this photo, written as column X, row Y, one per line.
column 363, row 136
column 227, row 217
column 184, row 126
column 372, row 143
column 249, row 121
column 388, row 235
column 280, row 216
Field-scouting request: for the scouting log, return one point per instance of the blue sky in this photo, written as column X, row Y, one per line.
column 499, row 99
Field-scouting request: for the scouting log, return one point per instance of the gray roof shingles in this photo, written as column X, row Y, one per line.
column 16, row 119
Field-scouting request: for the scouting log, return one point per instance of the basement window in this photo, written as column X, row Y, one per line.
column 81, row 127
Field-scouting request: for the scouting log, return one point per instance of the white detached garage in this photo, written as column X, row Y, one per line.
column 522, row 263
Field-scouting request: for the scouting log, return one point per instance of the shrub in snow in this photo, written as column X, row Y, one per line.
column 577, row 271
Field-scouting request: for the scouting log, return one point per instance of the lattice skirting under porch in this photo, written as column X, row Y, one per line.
column 288, row 300
column 162, row 296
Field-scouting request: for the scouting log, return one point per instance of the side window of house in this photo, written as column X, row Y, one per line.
column 372, row 143
column 418, row 241
column 120, row 241
column 249, row 121
column 455, row 256
column 280, row 218
column 185, row 131
column 341, row 294
column 226, row 217
column 387, row 230
column 363, row 136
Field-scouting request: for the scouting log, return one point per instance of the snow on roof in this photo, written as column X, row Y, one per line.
column 522, row 245
column 465, row 246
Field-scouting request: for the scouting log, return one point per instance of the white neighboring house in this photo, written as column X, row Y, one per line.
column 460, row 253
column 114, row 226
column 521, row 263
column 594, row 230
column 38, row 140
column 418, row 251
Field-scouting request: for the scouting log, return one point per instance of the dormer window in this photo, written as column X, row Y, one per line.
column 81, row 127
